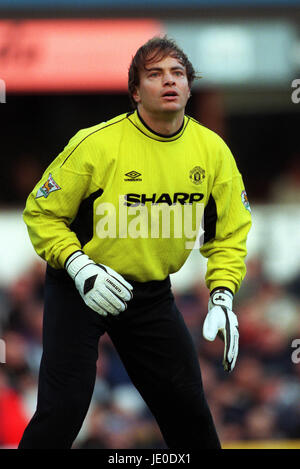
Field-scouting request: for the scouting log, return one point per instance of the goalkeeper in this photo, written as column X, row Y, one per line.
column 106, row 273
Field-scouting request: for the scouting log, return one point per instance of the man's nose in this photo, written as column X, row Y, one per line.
column 168, row 79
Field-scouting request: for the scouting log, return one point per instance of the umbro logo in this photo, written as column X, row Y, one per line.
column 133, row 176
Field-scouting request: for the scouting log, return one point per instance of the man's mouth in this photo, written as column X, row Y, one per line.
column 169, row 95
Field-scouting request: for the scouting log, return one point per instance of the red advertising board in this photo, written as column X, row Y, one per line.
column 70, row 55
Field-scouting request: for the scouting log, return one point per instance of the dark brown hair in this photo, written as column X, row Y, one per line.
column 155, row 50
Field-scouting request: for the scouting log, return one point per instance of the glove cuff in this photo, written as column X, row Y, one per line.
column 225, row 289
column 76, row 262
column 220, row 297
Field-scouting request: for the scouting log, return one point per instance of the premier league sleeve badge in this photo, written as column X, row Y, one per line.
column 49, row 186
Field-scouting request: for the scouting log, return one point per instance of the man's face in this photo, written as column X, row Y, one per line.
column 163, row 87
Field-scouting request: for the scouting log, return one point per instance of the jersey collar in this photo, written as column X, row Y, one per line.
column 138, row 122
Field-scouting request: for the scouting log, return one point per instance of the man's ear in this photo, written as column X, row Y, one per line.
column 136, row 95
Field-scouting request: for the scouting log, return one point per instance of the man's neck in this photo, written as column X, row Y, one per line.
column 167, row 124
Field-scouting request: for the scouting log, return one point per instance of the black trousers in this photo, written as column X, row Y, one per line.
column 155, row 347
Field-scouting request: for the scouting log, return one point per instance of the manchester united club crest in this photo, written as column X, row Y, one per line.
column 197, row 175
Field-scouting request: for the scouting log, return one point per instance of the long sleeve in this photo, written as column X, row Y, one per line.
column 54, row 202
column 227, row 221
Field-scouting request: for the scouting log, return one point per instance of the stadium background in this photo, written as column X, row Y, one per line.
column 63, row 67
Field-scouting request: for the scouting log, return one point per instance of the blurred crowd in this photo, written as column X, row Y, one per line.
column 259, row 400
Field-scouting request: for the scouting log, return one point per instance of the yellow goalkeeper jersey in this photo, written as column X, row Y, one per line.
column 139, row 202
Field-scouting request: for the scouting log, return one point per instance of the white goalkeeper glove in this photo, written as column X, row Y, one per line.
column 102, row 289
column 222, row 321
